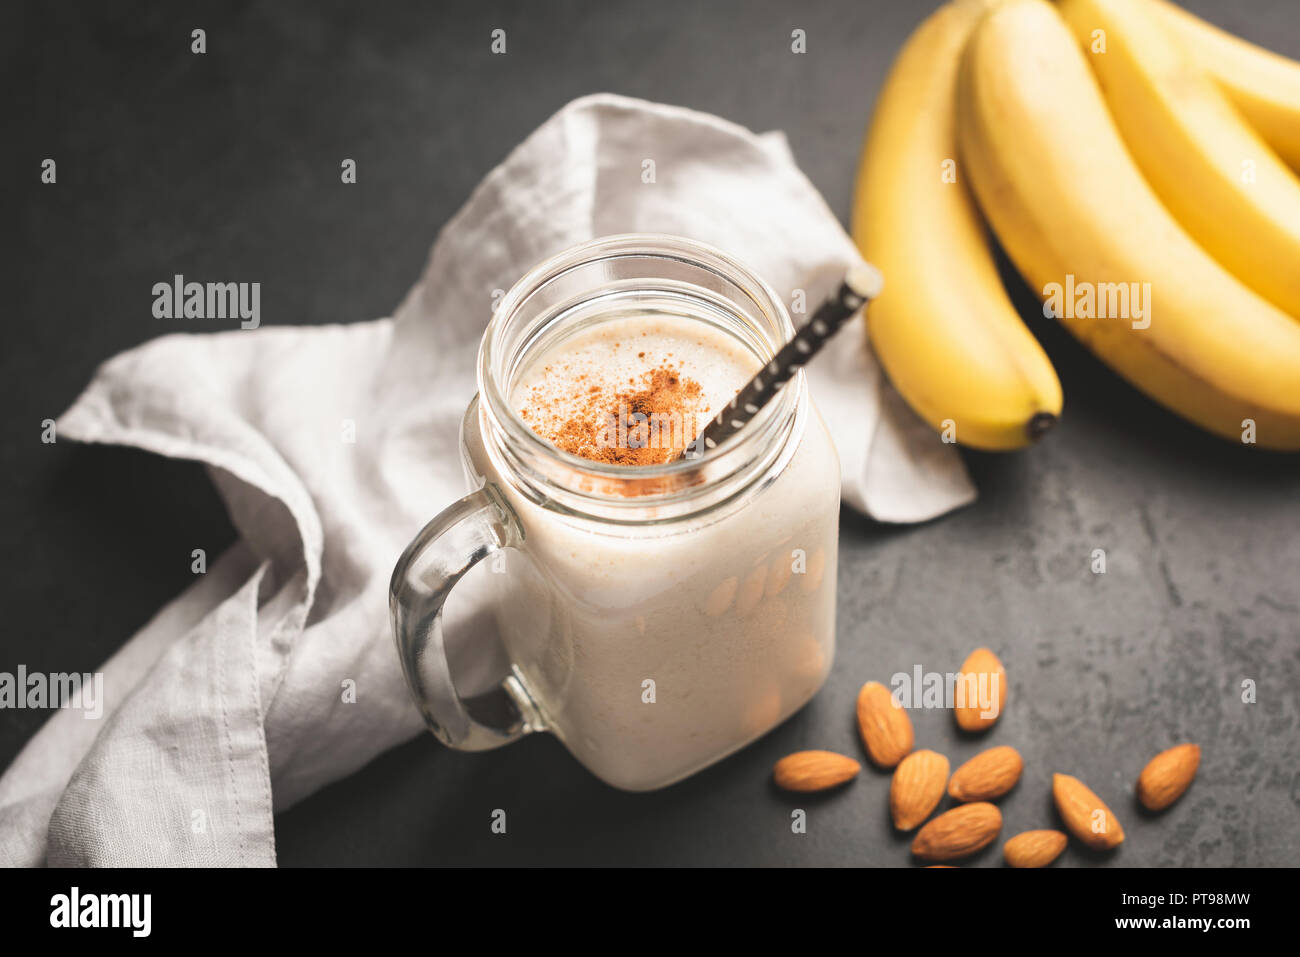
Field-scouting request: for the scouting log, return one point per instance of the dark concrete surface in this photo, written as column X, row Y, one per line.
column 227, row 165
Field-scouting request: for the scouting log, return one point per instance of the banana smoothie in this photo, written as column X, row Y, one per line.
column 655, row 648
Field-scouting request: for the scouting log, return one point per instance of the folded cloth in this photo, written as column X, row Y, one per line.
column 275, row 673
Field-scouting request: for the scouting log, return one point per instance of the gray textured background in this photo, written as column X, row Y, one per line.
column 228, row 165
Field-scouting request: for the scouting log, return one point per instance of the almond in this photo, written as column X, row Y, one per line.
column 982, row 675
column 958, row 833
column 917, row 788
column 988, row 775
column 885, row 727
column 814, row 770
column 1086, row 816
column 1034, row 848
column 1167, row 776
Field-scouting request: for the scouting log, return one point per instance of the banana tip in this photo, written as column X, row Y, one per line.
column 1039, row 425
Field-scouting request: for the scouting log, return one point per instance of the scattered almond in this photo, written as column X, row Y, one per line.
column 958, row 833
column 814, row 770
column 917, row 788
column 988, row 775
column 1086, row 816
column 981, row 672
column 1034, row 848
column 885, row 727
column 1167, row 776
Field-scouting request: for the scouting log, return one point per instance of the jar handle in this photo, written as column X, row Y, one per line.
column 456, row 540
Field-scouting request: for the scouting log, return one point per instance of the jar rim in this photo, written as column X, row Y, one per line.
column 679, row 475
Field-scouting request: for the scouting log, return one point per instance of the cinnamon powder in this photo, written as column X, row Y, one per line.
column 649, row 421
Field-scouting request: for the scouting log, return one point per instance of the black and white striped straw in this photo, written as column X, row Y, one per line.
column 861, row 284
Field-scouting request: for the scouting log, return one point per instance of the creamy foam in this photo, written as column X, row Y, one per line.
column 633, row 390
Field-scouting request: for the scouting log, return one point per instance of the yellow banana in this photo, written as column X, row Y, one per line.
column 1214, row 173
column 1074, row 213
column 1264, row 86
column 943, row 327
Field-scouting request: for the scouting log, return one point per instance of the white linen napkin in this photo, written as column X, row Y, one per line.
column 231, row 704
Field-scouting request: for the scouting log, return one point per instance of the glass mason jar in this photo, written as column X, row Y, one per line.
column 657, row 618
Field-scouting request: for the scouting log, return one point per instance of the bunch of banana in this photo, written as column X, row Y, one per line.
column 1124, row 179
